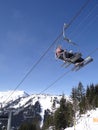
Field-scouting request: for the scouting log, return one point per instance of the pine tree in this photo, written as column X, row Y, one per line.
column 88, row 97
column 90, row 93
column 48, row 122
column 48, row 119
column 80, row 91
column 78, row 98
column 63, row 117
column 96, row 96
column 74, row 95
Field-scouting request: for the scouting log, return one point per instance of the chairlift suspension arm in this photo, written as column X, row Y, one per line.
column 67, row 39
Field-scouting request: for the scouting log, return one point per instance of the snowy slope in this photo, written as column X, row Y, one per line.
column 89, row 121
column 9, row 95
column 45, row 100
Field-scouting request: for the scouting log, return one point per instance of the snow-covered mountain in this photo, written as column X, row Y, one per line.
column 88, row 121
column 11, row 95
column 24, row 99
column 19, row 100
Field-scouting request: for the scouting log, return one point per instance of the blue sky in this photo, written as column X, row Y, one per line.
column 29, row 27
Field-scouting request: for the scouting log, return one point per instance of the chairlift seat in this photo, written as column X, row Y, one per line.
column 75, row 57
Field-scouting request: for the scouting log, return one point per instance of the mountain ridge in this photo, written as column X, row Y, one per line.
column 21, row 102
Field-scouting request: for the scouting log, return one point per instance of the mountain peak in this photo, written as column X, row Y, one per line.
column 12, row 95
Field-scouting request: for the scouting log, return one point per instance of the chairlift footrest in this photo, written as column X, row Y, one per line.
column 87, row 60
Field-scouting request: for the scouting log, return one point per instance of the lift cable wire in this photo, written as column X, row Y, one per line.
column 55, row 81
column 92, row 52
column 71, row 21
column 90, row 12
column 89, row 23
column 78, row 13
